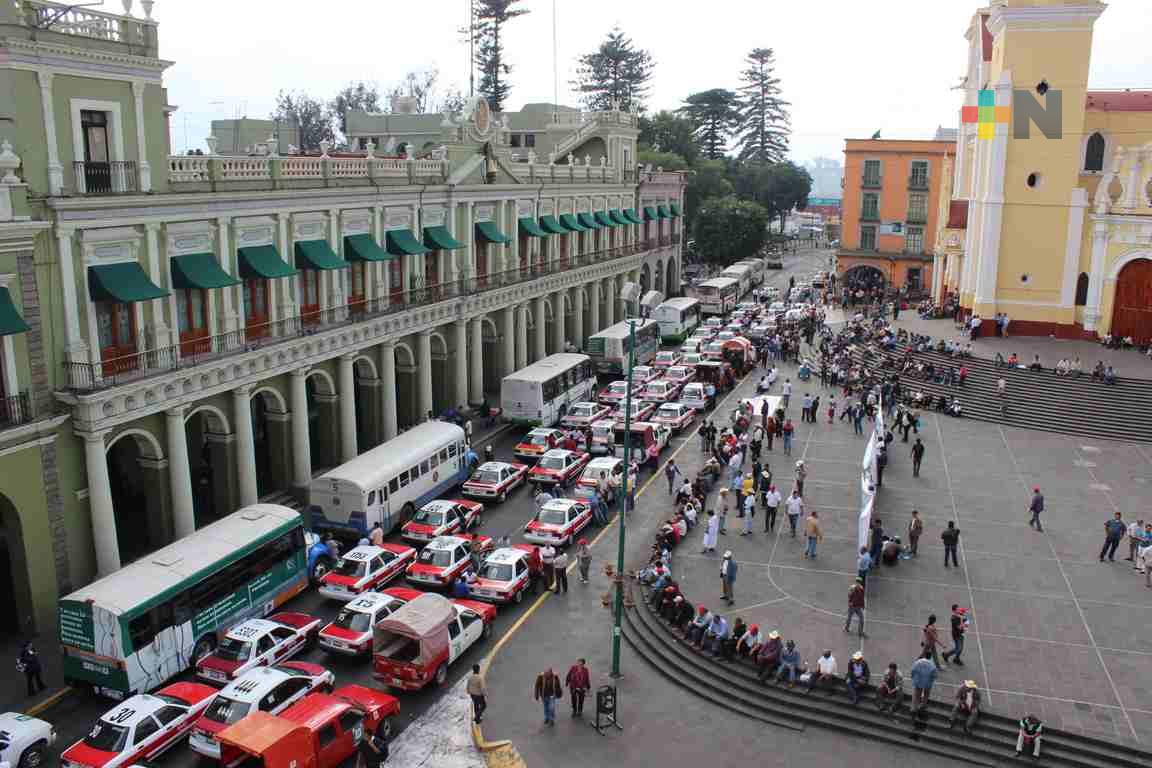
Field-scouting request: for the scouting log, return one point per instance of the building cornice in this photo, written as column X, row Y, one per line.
column 84, row 62
column 1048, row 18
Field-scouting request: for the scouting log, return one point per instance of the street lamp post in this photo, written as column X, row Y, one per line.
column 618, row 612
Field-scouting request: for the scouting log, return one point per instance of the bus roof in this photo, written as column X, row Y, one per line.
column 388, row 459
column 737, row 268
column 546, row 368
column 719, row 282
column 680, row 302
column 167, row 568
column 617, row 331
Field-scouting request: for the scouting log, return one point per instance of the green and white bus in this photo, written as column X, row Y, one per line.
column 677, row 318
column 134, row 629
column 609, row 348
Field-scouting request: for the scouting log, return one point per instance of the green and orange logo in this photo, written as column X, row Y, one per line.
column 986, row 115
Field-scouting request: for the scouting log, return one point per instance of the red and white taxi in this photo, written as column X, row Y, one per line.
column 583, row 414
column 666, row 359
column 445, row 558
column 140, row 727
column 495, row 480
column 558, row 467
column 258, row 643
column 505, row 575
column 660, row 391
column 365, row 568
column 675, row 416
column 536, row 442
column 558, row 522
column 693, row 359
column 640, row 411
column 680, row 374
column 642, row 374
column 351, row 632
column 440, row 518
column 264, row 689
column 616, row 392
column 590, row 477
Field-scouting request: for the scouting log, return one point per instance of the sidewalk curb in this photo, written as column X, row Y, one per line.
column 48, row 703
column 497, row 754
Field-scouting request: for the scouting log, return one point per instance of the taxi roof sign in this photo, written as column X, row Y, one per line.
column 506, row 555
column 362, row 552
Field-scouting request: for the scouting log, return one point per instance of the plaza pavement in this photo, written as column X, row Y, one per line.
column 1053, row 632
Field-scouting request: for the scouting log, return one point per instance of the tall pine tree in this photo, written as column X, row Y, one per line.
column 615, row 74
column 763, row 125
column 487, row 27
column 714, row 115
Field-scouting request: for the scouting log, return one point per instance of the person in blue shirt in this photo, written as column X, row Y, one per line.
column 1114, row 531
column 460, row 587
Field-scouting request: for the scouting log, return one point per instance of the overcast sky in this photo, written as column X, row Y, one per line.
column 848, row 67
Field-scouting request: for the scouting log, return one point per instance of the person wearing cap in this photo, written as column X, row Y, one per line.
column 727, row 576
column 856, row 679
column 768, row 658
column 1029, row 736
column 696, row 629
column 801, row 473
column 959, row 627
column 825, row 674
column 1036, row 507
column 749, row 513
column 750, row 643
column 583, row 559
column 863, row 564
column 789, row 663
column 794, row 507
column 890, row 691
column 855, row 604
column 682, row 612
column 967, row 706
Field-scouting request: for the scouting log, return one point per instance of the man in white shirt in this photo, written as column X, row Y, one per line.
column 825, row 673
column 548, row 558
column 794, row 507
column 771, row 504
column 786, row 391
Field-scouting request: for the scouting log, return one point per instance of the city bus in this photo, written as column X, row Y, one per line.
column 389, row 483
column 133, row 629
column 756, row 275
column 609, row 349
column 677, row 319
column 741, row 273
column 718, row 296
column 540, row 394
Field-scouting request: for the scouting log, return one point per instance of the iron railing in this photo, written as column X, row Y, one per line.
column 111, row 178
column 15, row 410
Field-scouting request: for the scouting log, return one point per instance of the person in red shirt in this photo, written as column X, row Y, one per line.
column 579, row 683
column 535, row 569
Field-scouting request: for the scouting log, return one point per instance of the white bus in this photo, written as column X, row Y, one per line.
column 757, row 274
column 718, row 296
column 677, row 319
column 131, row 630
column 540, row 394
column 609, row 349
column 742, row 273
column 389, row 483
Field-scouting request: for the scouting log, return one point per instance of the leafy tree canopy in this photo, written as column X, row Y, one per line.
column 728, row 229
column 713, row 114
column 615, row 75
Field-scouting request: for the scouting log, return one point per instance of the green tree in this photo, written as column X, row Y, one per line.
column 713, row 115
column 360, row 95
column 789, row 187
column 669, row 161
column 314, row 121
column 615, row 75
column 708, row 180
column 763, row 127
column 728, row 229
column 668, row 132
column 488, row 22
column 420, row 86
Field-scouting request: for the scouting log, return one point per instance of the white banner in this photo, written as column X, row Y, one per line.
column 868, row 475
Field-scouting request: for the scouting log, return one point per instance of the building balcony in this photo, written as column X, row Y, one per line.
column 112, row 178
column 870, row 182
column 15, row 410
column 916, row 217
column 202, row 173
column 918, row 183
column 113, row 31
column 873, row 215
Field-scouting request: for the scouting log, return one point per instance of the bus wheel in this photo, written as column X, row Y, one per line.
column 441, row 674
column 203, row 647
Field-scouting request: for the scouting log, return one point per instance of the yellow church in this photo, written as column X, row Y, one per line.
column 1050, row 218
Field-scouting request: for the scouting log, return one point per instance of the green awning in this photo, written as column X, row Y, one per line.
column 650, row 213
column 603, row 220
column 675, row 208
column 199, row 270
column 263, row 262
column 123, row 282
column 588, row 220
column 528, row 226
column 618, row 217
column 10, row 320
column 401, row 242
column 632, row 216
column 363, row 248
column 571, row 224
column 489, row 232
column 551, row 226
column 317, row 254
column 440, row 239
column 663, row 212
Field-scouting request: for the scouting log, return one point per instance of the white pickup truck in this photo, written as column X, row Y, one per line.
column 24, row 740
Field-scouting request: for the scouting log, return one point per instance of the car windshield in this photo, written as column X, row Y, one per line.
column 498, row 571
column 226, row 711
column 581, row 409
column 665, row 357
column 353, row 568
column 553, row 516
column 658, row 387
column 441, row 558
column 353, row 621
column 669, row 410
column 487, row 476
column 429, row 516
column 552, row 462
column 231, row 649
column 107, row 737
column 677, row 372
column 539, row 440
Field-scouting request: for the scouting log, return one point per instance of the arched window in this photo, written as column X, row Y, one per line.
column 1082, row 287
column 1094, row 153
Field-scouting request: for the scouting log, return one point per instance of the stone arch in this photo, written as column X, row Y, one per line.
column 271, row 396
column 1125, row 260
column 866, row 274
column 15, row 583
column 1094, row 148
column 659, row 272
column 672, row 278
column 407, row 406
column 1132, row 291
column 443, row 387
column 645, row 279
column 146, row 441
column 492, row 354
column 365, row 368
column 409, row 357
column 1081, row 290
column 321, row 375
column 438, row 343
column 215, row 417
column 272, row 440
column 212, row 463
column 138, row 481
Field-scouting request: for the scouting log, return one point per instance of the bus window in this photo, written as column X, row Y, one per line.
column 452, row 449
column 371, row 498
column 443, row 454
column 404, row 479
column 383, row 494
column 394, row 485
column 414, row 472
column 424, row 467
column 435, row 461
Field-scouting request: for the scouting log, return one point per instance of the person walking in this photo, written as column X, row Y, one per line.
column 959, row 622
column 728, row 570
column 560, row 569
column 951, row 538
column 376, row 536
column 794, row 507
column 711, row 531
column 917, row 457
column 749, row 513
column 788, row 430
column 548, row 560
column 546, row 692
column 801, row 474
column 923, row 674
column 29, row 663
column 1036, row 507
column 579, row 683
column 771, row 504
column 671, row 472
column 915, row 529
column 930, row 640
column 478, row 690
column 813, row 533
column 583, row 559
column 856, row 605
column 1114, row 531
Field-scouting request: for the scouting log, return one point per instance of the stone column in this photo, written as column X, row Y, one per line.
column 424, row 372
column 476, row 361
column 561, row 319
column 1100, row 236
column 180, row 474
column 578, row 317
column 55, row 170
column 160, row 335
column 301, row 449
column 77, row 347
column 143, row 167
column 100, row 505
column 540, row 340
column 388, row 388
column 223, row 255
column 460, row 362
column 521, row 337
column 347, row 384
column 610, row 302
column 508, row 342
column 245, row 444
column 594, row 305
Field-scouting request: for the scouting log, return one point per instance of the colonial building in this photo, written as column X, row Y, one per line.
column 183, row 335
column 1053, row 191
column 889, row 211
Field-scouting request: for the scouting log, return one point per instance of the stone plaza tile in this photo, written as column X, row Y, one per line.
column 1034, row 576
column 1053, row 619
column 1108, row 582
column 1121, row 628
column 1047, row 669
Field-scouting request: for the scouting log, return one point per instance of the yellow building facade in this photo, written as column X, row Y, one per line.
column 1051, row 221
